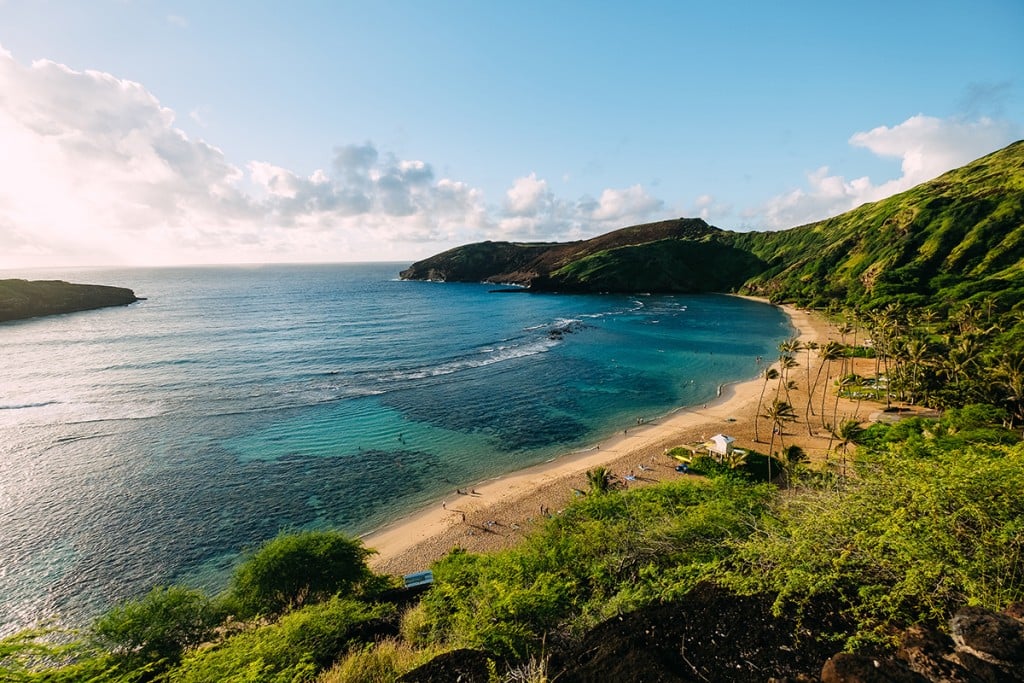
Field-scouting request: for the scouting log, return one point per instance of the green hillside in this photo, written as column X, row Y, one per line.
column 957, row 238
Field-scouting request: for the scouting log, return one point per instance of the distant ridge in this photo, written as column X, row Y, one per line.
column 20, row 299
column 532, row 264
column 958, row 236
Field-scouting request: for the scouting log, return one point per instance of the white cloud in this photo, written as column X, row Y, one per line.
column 628, row 206
column 707, row 206
column 927, row 147
column 95, row 171
column 528, row 196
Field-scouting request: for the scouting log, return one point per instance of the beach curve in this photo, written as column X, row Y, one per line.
column 496, row 513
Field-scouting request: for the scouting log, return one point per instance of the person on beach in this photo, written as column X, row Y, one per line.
column 444, row 505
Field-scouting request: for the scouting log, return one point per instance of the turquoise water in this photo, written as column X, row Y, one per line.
column 150, row 444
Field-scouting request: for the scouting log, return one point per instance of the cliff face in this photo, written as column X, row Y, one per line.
column 29, row 299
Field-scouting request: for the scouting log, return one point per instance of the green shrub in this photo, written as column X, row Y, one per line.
column 922, row 531
column 381, row 662
column 295, row 648
column 603, row 555
column 159, row 626
column 297, row 569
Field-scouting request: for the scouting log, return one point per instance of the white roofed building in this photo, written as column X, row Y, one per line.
column 720, row 445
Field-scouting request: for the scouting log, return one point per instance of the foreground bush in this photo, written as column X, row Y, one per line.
column 604, row 555
column 158, row 627
column 921, row 532
column 298, row 569
column 293, row 649
column 380, row 662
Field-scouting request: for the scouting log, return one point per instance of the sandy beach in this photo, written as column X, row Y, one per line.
column 497, row 513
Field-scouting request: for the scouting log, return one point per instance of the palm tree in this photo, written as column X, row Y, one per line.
column 778, row 413
column 960, row 363
column 918, row 352
column 791, row 385
column 848, row 434
column 809, row 346
column 1009, row 376
column 736, row 458
column 845, row 329
column 769, row 375
column 841, row 384
column 789, row 349
column 786, row 363
column 830, row 352
column 600, row 480
column 793, row 458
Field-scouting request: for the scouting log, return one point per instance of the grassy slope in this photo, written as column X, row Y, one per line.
column 953, row 238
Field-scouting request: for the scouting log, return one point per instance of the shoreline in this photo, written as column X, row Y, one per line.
column 498, row 512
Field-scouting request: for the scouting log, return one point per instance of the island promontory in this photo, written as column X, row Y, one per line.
column 21, row 299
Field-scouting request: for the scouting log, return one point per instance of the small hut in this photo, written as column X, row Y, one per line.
column 720, row 445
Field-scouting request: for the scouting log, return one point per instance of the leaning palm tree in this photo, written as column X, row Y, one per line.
column 828, row 353
column 770, row 374
column 786, row 363
column 791, row 385
column 848, row 434
column 842, row 383
column 779, row 413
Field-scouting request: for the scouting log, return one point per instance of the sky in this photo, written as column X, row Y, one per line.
column 160, row 132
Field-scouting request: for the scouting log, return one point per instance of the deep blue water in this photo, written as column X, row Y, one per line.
column 149, row 444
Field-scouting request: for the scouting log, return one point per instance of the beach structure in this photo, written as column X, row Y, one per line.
column 720, row 445
column 424, row 578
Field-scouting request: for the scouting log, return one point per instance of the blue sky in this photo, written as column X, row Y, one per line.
column 146, row 132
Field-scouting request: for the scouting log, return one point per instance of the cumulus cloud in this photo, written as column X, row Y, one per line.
column 528, row 197
column 625, row 206
column 95, row 171
column 926, row 147
column 531, row 211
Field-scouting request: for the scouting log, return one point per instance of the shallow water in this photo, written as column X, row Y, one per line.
column 150, row 444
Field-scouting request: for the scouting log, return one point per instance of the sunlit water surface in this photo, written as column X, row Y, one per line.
column 149, row 444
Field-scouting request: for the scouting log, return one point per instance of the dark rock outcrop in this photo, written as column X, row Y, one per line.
column 710, row 634
column 21, row 299
column 463, row 666
column 983, row 647
column 847, row 668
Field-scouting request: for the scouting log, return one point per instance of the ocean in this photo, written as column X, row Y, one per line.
column 151, row 444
